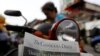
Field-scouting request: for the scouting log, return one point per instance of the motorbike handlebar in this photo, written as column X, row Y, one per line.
column 20, row 28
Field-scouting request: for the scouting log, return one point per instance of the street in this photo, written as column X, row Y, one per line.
column 89, row 49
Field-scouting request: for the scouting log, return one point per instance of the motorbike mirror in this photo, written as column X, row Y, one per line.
column 66, row 30
column 12, row 13
column 15, row 13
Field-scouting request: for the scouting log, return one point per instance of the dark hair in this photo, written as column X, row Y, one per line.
column 49, row 6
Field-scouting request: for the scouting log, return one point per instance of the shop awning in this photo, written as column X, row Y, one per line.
column 95, row 2
column 92, row 5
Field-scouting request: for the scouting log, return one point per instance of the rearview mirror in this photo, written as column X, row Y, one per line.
column 65, row 30
column 15, row 13
column 12, row 13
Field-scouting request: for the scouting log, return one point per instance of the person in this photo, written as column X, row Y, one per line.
column 50, row 11
column 3, row 31
column 4, row 47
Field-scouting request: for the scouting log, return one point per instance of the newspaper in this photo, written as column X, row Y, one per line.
column 35, row 46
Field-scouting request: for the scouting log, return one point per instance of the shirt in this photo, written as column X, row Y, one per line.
column 3, row 35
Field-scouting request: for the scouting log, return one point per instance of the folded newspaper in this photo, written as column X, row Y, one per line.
column 35, row 46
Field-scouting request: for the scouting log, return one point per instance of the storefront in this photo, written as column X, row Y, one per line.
column 82, row 9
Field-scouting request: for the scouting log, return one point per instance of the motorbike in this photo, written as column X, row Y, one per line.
column 95, row 39
column 95, row 33
column 63, row 30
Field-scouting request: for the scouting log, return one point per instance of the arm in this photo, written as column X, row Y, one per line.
column 41, row 35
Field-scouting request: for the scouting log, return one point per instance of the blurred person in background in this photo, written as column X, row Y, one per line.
column 4, row 37
column 50, row 12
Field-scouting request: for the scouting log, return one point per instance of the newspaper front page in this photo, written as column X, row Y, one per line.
column 35, row 46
